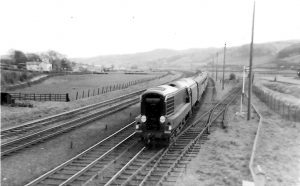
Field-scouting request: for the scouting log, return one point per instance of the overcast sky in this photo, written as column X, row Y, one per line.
column 84, row 28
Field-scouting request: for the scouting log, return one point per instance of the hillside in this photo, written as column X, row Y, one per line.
column 288, row 57
column 264, row 54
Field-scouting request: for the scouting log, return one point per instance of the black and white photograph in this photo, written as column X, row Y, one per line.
column 150, row 92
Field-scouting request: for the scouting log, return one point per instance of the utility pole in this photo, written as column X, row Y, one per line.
column 217, row 67
column 250, row 68
column 224, row 66
column 212, row 67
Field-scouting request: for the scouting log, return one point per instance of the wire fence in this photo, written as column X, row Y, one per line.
column 285, row 109
column 109, row 88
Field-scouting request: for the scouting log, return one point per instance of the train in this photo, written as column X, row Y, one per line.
column 165, row 109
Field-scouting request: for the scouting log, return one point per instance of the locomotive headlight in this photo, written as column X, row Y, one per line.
column 137, row 127
column 170, row 127
column 143, row 118
column 162, row 119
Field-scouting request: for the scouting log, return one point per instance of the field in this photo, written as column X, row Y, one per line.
column 78, row 83
column 12, row 116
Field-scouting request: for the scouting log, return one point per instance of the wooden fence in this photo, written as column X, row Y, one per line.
column 40, row 97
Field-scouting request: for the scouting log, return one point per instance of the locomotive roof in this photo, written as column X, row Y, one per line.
column 162, row 89
column 183, row 83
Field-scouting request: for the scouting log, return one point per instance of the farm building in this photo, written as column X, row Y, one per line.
column 39, row 66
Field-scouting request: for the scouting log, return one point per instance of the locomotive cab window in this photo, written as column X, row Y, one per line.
column 152, row 107
column 187, row 98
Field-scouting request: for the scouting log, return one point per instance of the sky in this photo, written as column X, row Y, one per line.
column 86, row 28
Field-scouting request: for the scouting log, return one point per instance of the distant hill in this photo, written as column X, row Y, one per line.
column 265, row 54
column 288, row 57
column 292, row 50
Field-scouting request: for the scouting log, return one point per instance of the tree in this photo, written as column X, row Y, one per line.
column 55, row 59
column 33, row 57
column 19, row 58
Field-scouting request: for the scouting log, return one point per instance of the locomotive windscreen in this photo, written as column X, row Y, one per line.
column 152, row 107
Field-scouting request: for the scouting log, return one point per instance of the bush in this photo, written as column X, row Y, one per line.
column 13, row 77
column 232, row 76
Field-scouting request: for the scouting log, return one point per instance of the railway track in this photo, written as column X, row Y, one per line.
column 16, row 138
column 34, row 137
column 42, row 123
column 101, row 156
column 167, row 164
column 121, row 159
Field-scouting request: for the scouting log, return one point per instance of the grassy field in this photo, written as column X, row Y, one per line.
column 78, row 83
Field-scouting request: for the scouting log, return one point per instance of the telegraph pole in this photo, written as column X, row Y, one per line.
column 213, row 66
column 250, row 68
column 223, row 66
column 217, row 67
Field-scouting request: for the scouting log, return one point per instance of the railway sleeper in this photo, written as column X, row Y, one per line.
column 58, row 177
column 185, row 158
column 170, row 183
column 137, row 164
column 72, row 168
column 170, row 154
column 118, row 182
column 51, row 182
column 184, row 161
column 171, row 178
column 180, row 166
column 132, row 168
column 66, row 172
column 153, row 178
column 134, row 182
column 167, row 161
column 177, row 149
column 151, row 181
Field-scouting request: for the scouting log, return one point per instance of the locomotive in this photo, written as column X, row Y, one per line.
column 166, row 108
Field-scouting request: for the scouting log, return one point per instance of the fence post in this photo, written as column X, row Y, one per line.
column 67, row 97
column 102, row 89
column 76, row 95
column 98, row 91
column 94, row 92
column 88, row 93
